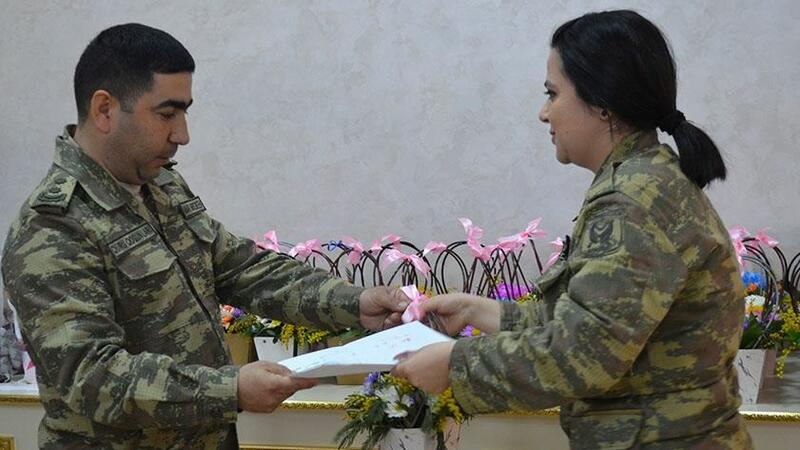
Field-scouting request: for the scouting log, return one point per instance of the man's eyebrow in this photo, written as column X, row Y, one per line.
column 174, row 104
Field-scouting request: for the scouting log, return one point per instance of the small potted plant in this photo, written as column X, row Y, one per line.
column 395, row 415
column 276, row 340
column 237, row 324
column 771, row 326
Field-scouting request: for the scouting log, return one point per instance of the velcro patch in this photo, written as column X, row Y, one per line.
column 603, row 236
column 192, row 207
column 122, row 245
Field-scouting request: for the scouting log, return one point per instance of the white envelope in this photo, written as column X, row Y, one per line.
column 372, row 353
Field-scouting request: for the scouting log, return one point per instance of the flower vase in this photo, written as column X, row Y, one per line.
column 416, row 439
column 241, row 347
column 268, row 350
column 751, row 367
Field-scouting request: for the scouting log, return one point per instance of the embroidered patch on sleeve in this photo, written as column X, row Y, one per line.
column 603, row 235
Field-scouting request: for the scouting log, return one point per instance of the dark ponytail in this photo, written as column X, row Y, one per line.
column 620, row 61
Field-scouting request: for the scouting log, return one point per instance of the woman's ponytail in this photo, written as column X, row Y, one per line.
column 700, row 159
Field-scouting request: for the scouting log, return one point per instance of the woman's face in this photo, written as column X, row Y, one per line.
column 580, row 132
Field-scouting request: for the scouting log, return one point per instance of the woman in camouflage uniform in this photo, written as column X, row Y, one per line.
column 641, row 317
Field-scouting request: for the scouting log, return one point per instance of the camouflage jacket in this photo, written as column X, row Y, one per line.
column 639, row 324
column 119, row 308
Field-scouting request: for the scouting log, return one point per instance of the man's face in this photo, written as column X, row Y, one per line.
column 145, row 139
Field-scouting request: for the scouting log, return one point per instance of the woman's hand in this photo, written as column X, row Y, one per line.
column 456, row 311
column 428, row 368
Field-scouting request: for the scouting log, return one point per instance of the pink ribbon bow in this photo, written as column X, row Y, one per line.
column 435, row 247
column 739, row 234
column 414, row 309
column 270, row 242
column 356, row 250
column 763, row 238
column 304, row 249
column 474, row 234
column 517, row 241
column 558, row 246
column 377, row 245
column 393, row 255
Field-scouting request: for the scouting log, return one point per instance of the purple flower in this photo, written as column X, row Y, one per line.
column 508, row 292
column 237, row 313
column 369, row 389
column 470, row 331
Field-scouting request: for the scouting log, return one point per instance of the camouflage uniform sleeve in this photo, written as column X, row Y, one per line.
column 57, row 281
column 279, row 287
column 625, row 273
column 516, row 317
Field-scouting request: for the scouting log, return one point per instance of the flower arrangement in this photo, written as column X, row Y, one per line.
column 388, row 402
column 504, row 292
column 236, row 321
column 771, row 319
column 303, row 336
column 761, row 318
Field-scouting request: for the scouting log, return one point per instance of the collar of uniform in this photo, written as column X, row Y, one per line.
column 93, row 178
column 630, row 144
column 165, row 176
column 604, row 180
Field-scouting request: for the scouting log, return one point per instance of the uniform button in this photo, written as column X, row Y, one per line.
column 60, row 180
column 55, row 190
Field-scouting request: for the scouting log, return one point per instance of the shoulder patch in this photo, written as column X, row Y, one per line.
column 55, row 193
column 602, row 234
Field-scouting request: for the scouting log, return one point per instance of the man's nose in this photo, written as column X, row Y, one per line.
column 180, row 133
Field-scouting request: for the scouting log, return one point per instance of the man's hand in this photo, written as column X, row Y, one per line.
column 264, row 385
column 381, row 307
column 428, row 368
column 456, row 311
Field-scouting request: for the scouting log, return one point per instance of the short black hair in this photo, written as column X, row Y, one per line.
column 122, row 60
column 621, row 62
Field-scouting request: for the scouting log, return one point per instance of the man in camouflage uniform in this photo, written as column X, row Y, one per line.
column 639, row 324
column 117, row 272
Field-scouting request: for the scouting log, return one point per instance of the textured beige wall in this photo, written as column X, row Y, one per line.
column 363, row 117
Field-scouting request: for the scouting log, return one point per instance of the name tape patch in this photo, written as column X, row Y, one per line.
column 191, row 207
column 124, row 244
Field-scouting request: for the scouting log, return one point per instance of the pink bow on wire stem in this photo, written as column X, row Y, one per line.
column 435, row 247
column 393, row 255
column 474, row 235
column 304, row 249
column 270, row 242
column 356, row 250
column 414, row 309
column 377, row 245
column 763, row 238
column 738, row 234
column 558, row 246
column 514, row 242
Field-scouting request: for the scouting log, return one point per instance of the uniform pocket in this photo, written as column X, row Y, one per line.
column 203, row 228
column 609, row 430
column 149, row 258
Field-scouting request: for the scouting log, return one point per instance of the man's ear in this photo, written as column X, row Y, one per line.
column 602, row 113
column 103, row 109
